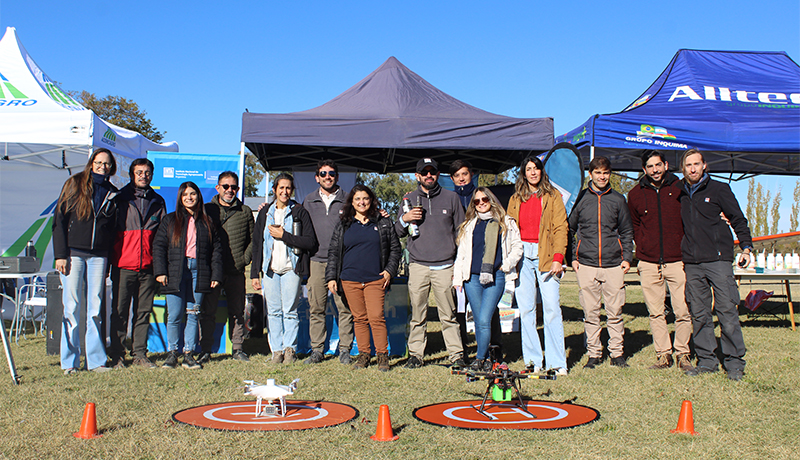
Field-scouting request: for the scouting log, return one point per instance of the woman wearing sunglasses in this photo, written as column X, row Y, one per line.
column 489, row 248
column 539, row 210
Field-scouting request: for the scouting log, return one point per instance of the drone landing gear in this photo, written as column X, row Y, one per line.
column 502, row 387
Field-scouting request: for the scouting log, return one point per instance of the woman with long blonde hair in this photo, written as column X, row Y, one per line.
column 539, row 211
column 489, row 248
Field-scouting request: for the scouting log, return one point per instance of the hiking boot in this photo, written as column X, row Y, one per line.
column 205, row 357
column 143, row 361
column 458, row 363
column 277, row 357
column 344, row 357
column 190, row 363
column 592, row 363
column 684, row 363
column 316, row 357
column 701, row 370
column 619, row 361
column 172, row 360
column 477, row 365
column 362, row 361
column 383, row 362
column 118, row 363
column 414, row 363
column 736, row 374
column 239, row 355
column 289, row 356
column 662, row 362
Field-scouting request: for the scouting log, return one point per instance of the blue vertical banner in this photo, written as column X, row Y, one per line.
column 173, row 169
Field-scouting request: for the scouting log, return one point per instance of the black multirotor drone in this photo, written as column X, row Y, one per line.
column 501, row 382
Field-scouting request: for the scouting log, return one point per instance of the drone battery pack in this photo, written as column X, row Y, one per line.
column 19, row 264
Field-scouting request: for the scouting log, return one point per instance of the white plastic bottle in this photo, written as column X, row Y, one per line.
column 779, row 262
column 761, row 260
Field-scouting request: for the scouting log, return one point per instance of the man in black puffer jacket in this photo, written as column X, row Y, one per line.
column 602, row 256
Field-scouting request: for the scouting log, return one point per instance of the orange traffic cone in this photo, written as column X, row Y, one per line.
column 685, row 420
column 89, row 424
column 384, row 431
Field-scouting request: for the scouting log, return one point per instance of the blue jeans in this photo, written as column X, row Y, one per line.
column 525, row 293
column 187, row 300
column 83, row 285
column 483, row 299
column 282, row 293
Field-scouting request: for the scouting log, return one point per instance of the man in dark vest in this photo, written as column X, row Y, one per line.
column 234, row 222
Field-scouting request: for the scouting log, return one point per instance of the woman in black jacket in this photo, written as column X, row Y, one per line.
column 187, row 261
column 362, row 260
column 83, row 234
column 283, row 240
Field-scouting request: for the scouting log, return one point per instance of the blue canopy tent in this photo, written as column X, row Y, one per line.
column 742, row 109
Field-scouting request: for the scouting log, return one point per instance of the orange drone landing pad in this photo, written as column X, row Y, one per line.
column 241, row 416
column 541, row 415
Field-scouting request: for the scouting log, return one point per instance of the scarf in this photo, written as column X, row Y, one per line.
column 489, row 248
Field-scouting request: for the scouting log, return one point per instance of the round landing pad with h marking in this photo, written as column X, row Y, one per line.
column 241, row 416
column 540, row 415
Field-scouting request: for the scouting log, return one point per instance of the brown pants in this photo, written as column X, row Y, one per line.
column 366, row 301
column 655, row 280
column 609, row 282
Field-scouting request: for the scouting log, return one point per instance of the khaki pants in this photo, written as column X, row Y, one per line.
column 317, row 309
column 366, row 301
column 421, row 280
column 609, row 282
column 655, row 280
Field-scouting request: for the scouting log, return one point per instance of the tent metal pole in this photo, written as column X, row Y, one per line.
column 591, row 153
column 241, row 172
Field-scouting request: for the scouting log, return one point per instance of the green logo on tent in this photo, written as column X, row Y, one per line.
column 57, row 95
column 109, row 137
column 16, row 96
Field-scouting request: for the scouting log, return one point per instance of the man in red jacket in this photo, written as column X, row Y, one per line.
column 656, row 216
column 140, row 210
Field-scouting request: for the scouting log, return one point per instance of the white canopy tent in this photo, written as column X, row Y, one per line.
column 46, row 136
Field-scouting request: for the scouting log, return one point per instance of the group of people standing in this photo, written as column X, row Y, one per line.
column 192, row 253
column 346, row 246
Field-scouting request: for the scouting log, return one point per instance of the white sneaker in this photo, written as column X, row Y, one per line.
column 561, row 372
column 533, row 369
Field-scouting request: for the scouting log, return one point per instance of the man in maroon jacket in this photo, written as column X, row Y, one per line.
column 140, row 210
column 656, row 215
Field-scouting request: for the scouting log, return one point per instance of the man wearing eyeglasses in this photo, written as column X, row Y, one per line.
column 324, row 205
column 140, row 210
column 234, row 223
column 437, row 212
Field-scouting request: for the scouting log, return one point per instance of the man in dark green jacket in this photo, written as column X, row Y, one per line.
column 234, row 222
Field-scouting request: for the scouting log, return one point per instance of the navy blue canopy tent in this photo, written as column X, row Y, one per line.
column 388, row 121
column 742, row 109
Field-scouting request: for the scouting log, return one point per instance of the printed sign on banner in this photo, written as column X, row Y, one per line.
column 173, row 169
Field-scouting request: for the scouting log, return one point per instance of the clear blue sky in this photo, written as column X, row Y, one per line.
column 195, row 66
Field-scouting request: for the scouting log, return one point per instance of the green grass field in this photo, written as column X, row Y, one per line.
column 758, row 417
